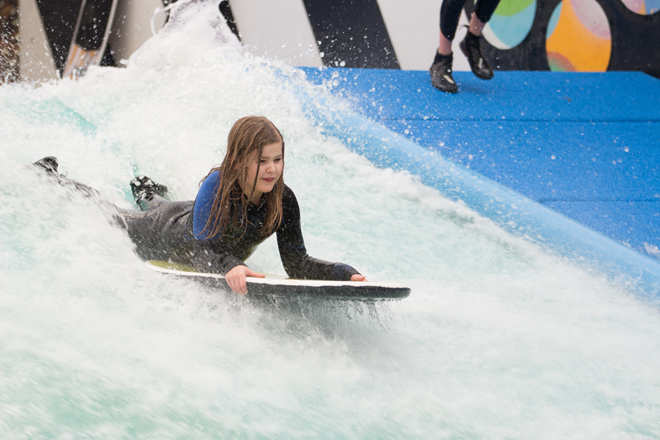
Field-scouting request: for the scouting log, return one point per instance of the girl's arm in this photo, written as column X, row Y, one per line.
column 297, row 263
column 207, row 258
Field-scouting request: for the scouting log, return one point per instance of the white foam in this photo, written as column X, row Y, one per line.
column 499, row 339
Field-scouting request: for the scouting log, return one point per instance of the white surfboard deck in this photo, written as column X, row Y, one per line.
column 274, row 286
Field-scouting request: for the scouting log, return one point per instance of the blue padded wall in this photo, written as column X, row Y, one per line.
column 572, row 159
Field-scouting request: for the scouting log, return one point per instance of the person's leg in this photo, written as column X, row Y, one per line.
column 444, row 47
column 50, row 165
column 159, row 231
column 147, row 193
column 450, row 14
column 476, row 26
column 441, row 69
column 471, row 45
column 484, row 10
column 155, row 230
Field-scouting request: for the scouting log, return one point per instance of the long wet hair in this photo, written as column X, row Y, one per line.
column 248, row 136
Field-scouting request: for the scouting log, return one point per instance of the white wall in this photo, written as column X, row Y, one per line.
column 414, row 28
column 36, row 59
column 280, row 29
column 277, row 29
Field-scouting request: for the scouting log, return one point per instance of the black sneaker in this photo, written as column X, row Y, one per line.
column 144, row 188
column 471, row 47
column 48, row 164
column 441, row 73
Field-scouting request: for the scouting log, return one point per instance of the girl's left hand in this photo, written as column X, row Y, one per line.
column 236, row 278
column 358, row 277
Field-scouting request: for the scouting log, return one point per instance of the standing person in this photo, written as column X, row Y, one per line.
column 450, row 13
column 239, row 204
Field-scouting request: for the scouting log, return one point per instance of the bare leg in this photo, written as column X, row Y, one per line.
column 444, row 47
column 476, row 25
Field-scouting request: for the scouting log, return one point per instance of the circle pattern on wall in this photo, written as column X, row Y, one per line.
column 578, row 37
column 643, row 7
column 510, row 23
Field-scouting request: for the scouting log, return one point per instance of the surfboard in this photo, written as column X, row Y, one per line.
column 287, row 287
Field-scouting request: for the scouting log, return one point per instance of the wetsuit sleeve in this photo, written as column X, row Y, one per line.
column 207, row 256
column 295, row 260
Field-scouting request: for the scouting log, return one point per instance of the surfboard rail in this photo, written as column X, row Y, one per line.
column 274, row 285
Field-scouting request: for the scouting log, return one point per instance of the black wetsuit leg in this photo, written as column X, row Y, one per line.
column 450, row 14
column 153, row 202
column 158, row 233
column 485, row 9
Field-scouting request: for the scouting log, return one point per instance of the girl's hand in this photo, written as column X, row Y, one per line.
column 358, row 277
column 236, row 278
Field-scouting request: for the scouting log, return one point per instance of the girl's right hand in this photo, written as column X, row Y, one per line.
column 236, row 278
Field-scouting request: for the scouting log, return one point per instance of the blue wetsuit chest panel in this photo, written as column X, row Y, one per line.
column 203, row 205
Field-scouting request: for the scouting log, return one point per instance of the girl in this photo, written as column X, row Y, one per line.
column 239, row 204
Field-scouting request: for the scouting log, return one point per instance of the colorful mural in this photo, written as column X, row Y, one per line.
column 578, row 38
column 575, row 35
column 510, row 24
column 643, row 7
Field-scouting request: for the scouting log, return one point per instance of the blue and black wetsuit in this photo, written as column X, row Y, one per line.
column 174, row 231
column 230, row 250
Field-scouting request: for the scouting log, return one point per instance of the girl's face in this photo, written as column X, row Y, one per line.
column 270, row 164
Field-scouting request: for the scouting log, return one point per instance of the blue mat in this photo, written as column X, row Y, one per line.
column 584, row 144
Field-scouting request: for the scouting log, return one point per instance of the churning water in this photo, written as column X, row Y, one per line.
column 499, row 339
